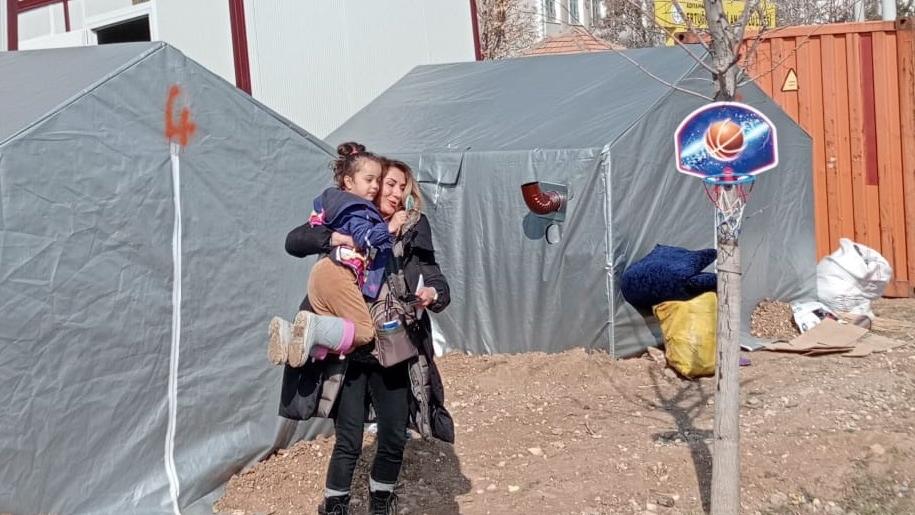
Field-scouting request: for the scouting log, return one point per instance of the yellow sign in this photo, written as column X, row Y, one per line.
column 670, row 18
column 790, row 83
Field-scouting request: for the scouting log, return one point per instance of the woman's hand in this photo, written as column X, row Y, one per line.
column 337, row 239
column 397, row 220
column 428, row 296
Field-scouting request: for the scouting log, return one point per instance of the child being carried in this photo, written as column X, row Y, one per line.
column 340, row 283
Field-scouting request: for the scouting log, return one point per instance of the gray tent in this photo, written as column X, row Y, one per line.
column 106, row 407
column 601, row 126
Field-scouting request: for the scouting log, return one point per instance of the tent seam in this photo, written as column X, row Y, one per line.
column 171, row 470
column 609, row 214
column 608, row 253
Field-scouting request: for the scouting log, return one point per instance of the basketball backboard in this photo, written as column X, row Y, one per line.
column 726, row 141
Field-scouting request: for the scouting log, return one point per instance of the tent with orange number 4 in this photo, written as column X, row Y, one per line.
column 143, row 206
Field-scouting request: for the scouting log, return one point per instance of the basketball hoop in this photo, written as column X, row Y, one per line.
column 727, row 144
column 729, row 194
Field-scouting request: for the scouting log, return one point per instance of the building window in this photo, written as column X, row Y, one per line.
column 549, row 10
column 574, row 12
column 597, row 14
column 124, row 32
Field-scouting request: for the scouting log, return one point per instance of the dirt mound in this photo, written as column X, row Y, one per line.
column 580, row 433
column 773, row 320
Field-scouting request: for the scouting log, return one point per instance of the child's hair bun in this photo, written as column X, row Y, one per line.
column 350, row 148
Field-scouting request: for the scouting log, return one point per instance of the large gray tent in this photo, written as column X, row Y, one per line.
column 108, row 407
column 126, row 391
column 601, row 126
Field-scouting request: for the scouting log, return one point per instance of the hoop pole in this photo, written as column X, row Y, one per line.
column 726, row 455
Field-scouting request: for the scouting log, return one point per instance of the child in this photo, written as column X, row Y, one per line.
column 338, row 283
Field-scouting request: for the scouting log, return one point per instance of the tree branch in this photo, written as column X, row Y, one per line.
column 662, row 81
column 689, row 25
column 751, row 53
column 653, row 76
column 741, row 26
column 699, row 60
column 797, row 47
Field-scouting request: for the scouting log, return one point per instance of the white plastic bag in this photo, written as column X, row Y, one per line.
column 808, row 315
column 852, row 276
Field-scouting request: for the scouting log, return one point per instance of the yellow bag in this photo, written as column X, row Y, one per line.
column 689, row 329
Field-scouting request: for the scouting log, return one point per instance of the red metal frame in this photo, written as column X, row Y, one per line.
column 871, row 173
column 12, row 25
column 16, row 7
column 475, row 23
column 28, row 5
column 240, row 45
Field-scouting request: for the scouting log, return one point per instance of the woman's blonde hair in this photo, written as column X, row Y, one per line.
column 412, row 187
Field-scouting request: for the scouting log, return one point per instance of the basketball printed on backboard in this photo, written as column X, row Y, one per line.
column 724, row 140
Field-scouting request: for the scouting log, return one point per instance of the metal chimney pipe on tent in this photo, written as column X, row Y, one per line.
column 542, row 202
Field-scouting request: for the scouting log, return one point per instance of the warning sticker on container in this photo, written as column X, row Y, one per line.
column 790, row 83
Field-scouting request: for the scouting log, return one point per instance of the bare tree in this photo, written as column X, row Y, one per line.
column 507, row 27
column 805, row 12
column 905, row 8
column 726, row 40
column 629, row 23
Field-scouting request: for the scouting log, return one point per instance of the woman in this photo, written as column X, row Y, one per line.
column 410, row 393
column 339, row 284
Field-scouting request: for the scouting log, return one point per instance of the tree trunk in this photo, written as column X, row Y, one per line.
column 722, row 50
column 726, row 453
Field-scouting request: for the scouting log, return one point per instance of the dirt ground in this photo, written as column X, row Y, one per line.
column 579, row 433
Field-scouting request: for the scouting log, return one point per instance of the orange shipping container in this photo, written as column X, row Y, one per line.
column 851, row 86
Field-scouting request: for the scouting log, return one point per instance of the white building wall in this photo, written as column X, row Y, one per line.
column 318, row 63
column 2, row 26
column 59, row 40
column 45, row 27
column 315, row 62
column 201, row 29
column 38, row 22
column 562, row 20
column 535, row 8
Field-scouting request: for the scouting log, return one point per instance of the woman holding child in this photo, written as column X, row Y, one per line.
column 374, row 237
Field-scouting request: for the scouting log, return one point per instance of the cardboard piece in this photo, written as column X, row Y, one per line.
column 889, row 324
column 827, row 335
column 873, row 343
column 832, row 337
column 831, row 350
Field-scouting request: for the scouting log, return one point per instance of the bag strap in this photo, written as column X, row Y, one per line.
column 395, row 276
